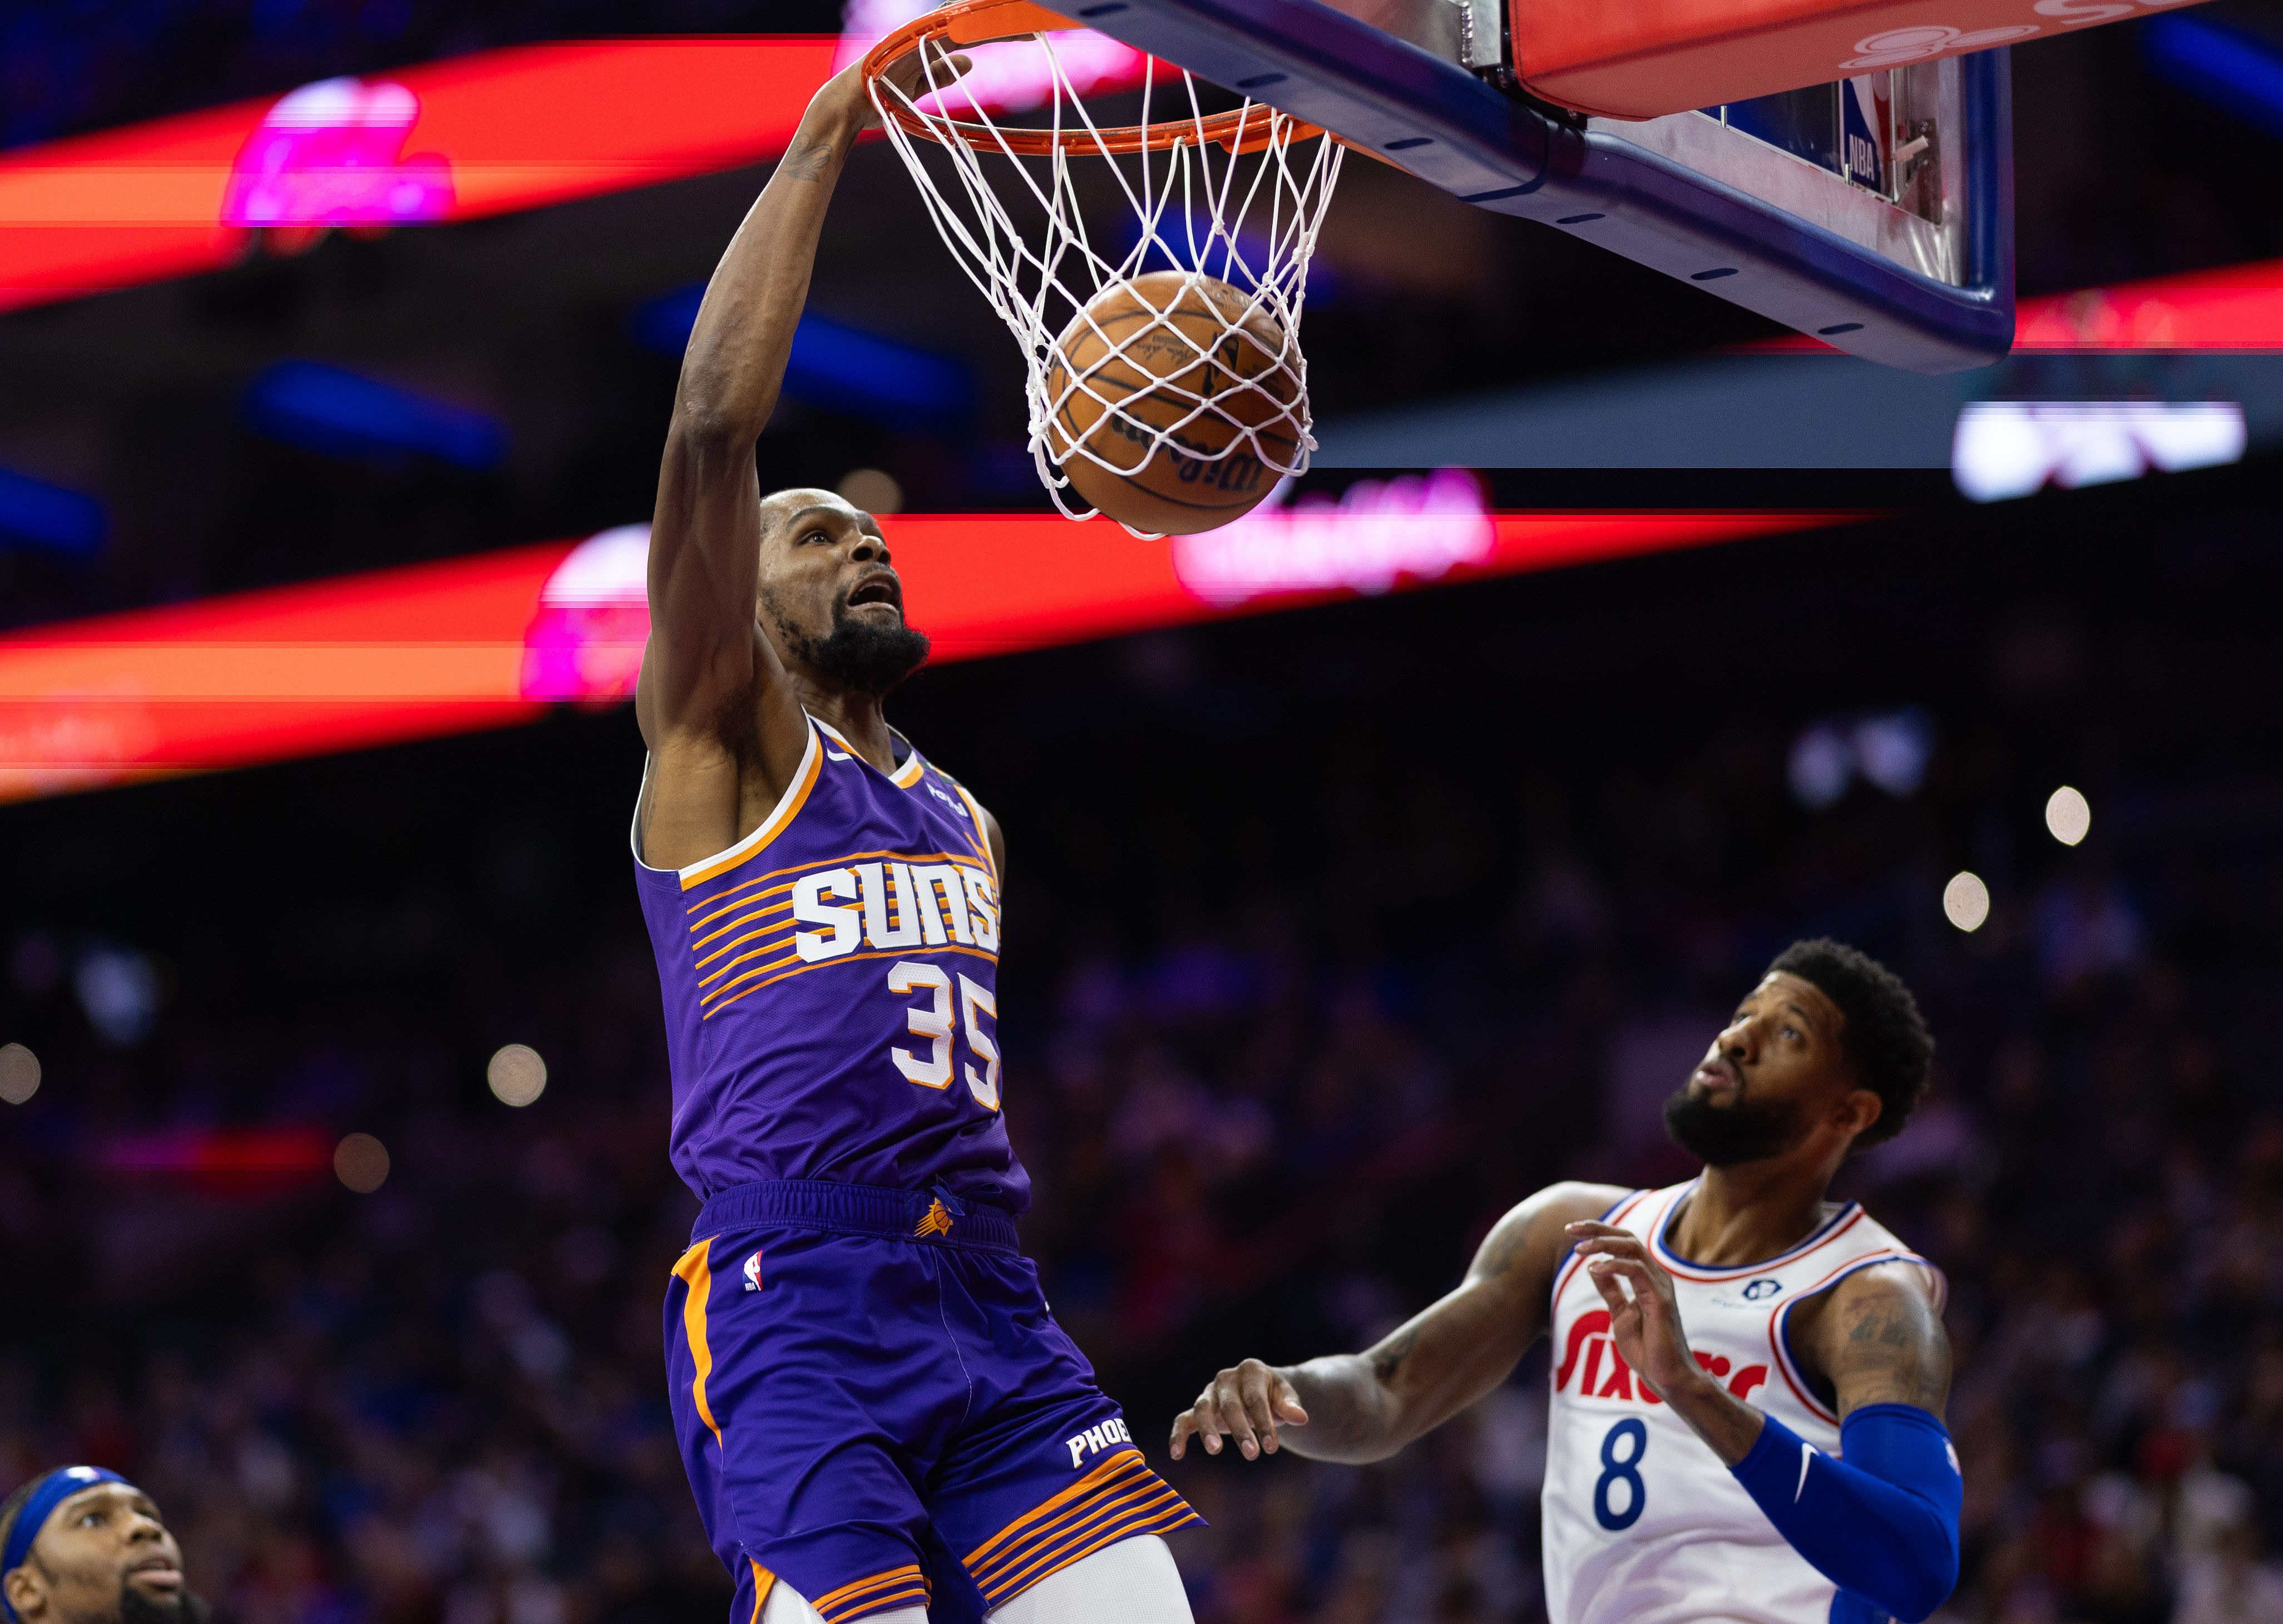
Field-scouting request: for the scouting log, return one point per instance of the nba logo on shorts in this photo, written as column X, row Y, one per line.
column 753, row 1272
column 1757, row 1291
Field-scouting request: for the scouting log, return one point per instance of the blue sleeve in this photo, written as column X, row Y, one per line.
column 1881, row 1524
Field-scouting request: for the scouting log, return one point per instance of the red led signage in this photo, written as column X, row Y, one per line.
column 480, row 134
column 483, row 642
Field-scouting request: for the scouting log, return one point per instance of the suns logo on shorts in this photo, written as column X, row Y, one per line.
column 935, row 1220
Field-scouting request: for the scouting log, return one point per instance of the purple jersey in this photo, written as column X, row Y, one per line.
column 831, row 984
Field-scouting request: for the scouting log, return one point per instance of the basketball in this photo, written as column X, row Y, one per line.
column 1153, row 387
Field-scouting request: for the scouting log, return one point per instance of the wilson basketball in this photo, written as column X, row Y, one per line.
column 1158, row 379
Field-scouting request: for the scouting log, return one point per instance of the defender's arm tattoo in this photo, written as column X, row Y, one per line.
column 1388, row 1357
column 1890, row 1349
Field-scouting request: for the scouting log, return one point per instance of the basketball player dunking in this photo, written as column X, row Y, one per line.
column 878, row 1416
column 1748, row 1381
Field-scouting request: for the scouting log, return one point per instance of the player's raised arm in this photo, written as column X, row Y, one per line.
column 706, row 658
column 1365, row 1406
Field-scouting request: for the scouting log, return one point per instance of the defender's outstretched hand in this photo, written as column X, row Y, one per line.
column 1645, row 1325
column 1246, row 1402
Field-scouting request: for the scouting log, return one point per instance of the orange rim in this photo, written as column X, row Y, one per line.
column 984, row 22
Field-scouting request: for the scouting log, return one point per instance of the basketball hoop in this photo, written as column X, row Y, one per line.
column 1220, row 198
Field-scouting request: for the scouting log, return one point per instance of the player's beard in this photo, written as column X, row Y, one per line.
column 1722, row 1136
column 861, row 654
column 136, row 1608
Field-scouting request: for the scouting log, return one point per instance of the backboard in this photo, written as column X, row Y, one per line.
column 1876, row 214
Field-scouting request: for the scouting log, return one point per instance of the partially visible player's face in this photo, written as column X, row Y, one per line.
column 828, row 596
column 104, row 1557
column 1757, row 1091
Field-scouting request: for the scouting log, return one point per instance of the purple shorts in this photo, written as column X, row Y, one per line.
column 873, row 1403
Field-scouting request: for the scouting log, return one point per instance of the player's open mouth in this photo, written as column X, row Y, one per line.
column 1721, row 1073
column 156, row 1571
column 877, row 590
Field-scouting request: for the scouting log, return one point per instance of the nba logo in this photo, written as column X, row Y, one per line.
column 1757, row 1291
column 753, row 1272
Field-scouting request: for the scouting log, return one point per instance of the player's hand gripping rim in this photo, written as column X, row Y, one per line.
column 1644, row 1322
column 1246, row 1404
column 925, row 71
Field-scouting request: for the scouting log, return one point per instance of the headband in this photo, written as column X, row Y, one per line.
column 50, row 1492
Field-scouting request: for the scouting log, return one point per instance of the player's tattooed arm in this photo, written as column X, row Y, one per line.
column 809, row 158
column 1364, row 1406
column 1880, row 1341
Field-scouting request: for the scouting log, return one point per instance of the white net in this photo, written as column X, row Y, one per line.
column 1200, row 200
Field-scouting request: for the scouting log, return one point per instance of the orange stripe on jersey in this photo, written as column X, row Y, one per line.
column 753, row 910
column 758, row 841
column 763, row 1581
column 775, row 927
column 845, row 958
column 876, row 1594
column 1084, row 1533
column 1122, row 1462
column 803, row 868
column 909, row 773
column 705, row 998
column 955, row 859
column 694, row 1269
column 1118, row 1500
column 782, row 928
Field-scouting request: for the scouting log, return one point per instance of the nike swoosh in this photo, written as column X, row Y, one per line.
column 1807, row 1455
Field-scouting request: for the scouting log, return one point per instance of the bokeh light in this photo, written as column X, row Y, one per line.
column 362, row 1163
column 1965, row 900
column 873, row 489
column 2069, row 816
column 517, row 1075
column 20, row 1073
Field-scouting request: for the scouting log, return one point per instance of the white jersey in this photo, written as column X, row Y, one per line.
column 1643, row 1524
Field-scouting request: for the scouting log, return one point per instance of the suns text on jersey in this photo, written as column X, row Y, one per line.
column 890, row 905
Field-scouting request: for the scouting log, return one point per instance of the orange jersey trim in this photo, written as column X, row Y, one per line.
column 695, row 1269
column 774, row 947
column 1089, row 1535
column 1120, row 1499
column 754, row 844
column 763, row 1581
column 874, row 1594
column 1085, row 1485
column 805, row 868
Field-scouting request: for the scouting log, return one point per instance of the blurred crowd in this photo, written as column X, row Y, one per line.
column 1275, row 1128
